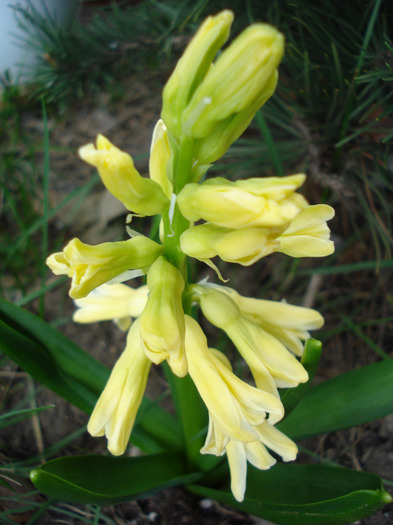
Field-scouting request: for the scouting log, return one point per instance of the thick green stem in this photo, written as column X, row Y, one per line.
column 189, row 407
column 183, row 164
column 191, row 412
column 172, row 232
column 174, row 226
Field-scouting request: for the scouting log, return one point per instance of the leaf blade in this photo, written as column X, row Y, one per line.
column 84, row 479
column 306, row 494
column 347, row 400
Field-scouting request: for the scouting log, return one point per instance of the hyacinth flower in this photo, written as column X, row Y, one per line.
column 207, row 105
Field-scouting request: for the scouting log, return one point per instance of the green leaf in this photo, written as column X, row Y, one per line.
column 350, row 399
column 107, row 480
column 306, row 494
column 40, row 364
column 310, row 359
column 16, row 416
column 61, row 365
column 50, row 357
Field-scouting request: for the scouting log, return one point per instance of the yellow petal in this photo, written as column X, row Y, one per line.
column 277, row 441
column 117, row 171
column 116, row 408
column 91, row 266
column 241, row 204
column 253, row 342
column 234, row 405
column 192, row 68
column 160, row 158
column 308, row 233
column 237, row 460
column 111, row 302
column 162, row 324
column 240, row 75
column 244, row 246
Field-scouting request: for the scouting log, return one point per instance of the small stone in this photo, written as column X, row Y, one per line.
column 206, row 504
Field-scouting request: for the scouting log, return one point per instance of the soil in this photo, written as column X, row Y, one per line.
column 129, row 124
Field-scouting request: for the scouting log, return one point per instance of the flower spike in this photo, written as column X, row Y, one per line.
column 208, row 102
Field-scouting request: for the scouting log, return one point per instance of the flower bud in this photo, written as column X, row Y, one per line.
column 118, row 173
column 161, row 158
column 241, row 75
column 213, row 147
column 162, row 321
column 265, row 202
column 90, row 266
column 192, row 68
column 243, row 246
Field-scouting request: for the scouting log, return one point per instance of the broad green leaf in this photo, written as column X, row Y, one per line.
column 310, row 359
column 61, row 365
column 306, row 494
column 37, row 360
column 108, row 480
column 350, row 399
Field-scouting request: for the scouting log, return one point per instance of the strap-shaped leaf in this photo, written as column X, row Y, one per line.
column 306, row 494
column 350, row 399
column 310, row 359
column 107, row 479
column 16, row 416
column 61, row 365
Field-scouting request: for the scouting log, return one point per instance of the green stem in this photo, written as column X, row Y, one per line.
column 191, row 412
column 183, row 164
column 172, row 232
column 189, row 407
column 175, row 227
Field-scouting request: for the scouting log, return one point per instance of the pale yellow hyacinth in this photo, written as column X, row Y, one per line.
column 266, row 202
column 241, row 417
column 116, row 302
column 162, row 324
column 307, row 235
column 290, row 324
column 254, row 452
column 90, row 266
column 258, row 347
column 235, row 406
column 117, row 171
column 116, row 408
